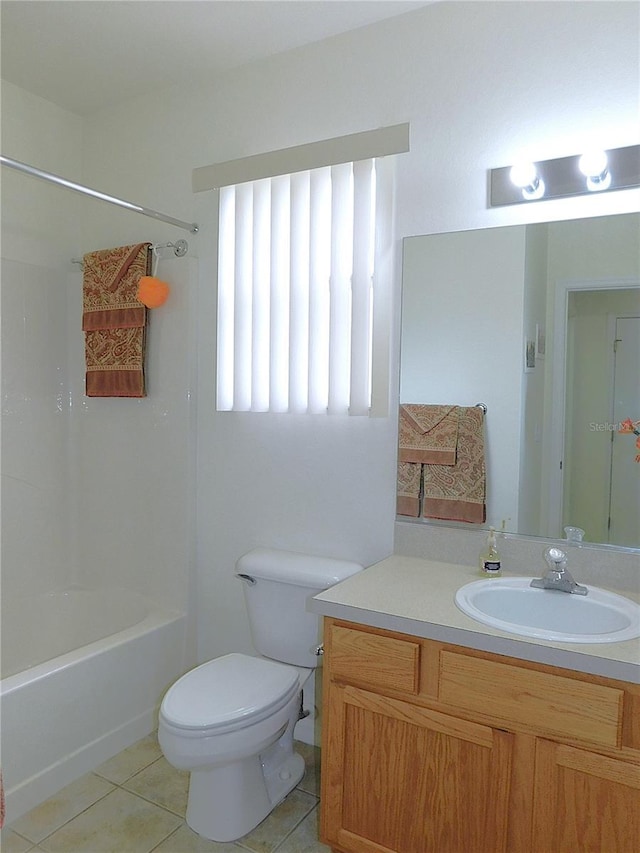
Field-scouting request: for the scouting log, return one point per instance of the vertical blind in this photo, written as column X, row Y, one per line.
column 298, row 284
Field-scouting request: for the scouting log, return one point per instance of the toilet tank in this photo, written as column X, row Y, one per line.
column 276, row 587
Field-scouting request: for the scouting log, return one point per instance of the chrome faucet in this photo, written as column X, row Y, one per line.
column 558, row 576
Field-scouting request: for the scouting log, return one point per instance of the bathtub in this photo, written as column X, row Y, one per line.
column 83, row 672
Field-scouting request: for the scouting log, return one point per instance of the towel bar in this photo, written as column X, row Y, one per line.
column 180, row 249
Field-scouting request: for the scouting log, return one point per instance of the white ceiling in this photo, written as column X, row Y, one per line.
column 87, row 54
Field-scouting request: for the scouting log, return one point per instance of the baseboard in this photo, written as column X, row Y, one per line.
column 38, row 788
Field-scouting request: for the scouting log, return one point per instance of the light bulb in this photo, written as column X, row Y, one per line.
column 593, row 165
column 525, row 176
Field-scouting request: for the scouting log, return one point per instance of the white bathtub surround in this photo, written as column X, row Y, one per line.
column 94, row 492
column 65, row 621
column 72, row 712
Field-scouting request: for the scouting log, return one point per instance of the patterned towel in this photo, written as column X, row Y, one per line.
column 441, row 464
column 408, row 491
column 114, row 321
column 458, row 492
column 428, row 434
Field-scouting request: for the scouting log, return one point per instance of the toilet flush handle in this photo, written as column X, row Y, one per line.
column 251, row 581
column 320, row 650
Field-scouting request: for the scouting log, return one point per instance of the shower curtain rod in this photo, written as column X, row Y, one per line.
column 70, row 185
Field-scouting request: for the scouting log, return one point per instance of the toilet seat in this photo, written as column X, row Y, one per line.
column 228, row 693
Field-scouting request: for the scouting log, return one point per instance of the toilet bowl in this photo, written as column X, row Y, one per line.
column 230, row 723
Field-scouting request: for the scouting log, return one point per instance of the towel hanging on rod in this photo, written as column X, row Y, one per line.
column 71, row 185
column 114, row 321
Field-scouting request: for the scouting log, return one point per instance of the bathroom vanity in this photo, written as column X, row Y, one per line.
column 440, row 734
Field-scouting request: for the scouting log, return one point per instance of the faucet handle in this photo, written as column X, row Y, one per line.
column 558, row 577
column 556, row 559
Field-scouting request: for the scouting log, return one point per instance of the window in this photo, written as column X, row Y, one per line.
column 297, row 290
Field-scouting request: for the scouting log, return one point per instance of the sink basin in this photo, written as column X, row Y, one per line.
column 512, row 605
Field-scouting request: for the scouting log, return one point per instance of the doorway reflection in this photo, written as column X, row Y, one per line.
column 601, row 476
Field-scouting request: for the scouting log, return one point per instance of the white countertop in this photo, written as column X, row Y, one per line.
column 415, row 596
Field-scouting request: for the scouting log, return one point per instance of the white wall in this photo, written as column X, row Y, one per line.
column 592, row 249
column 133, row 458
column 39, row 223
column 482, row 84
column 37, row 232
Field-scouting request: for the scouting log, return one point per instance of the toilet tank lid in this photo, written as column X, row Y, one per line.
column 296, row 569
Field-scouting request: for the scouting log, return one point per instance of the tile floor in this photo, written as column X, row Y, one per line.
column 136, row 803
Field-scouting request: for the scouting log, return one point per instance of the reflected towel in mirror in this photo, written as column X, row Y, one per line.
column 454, row 490
column 408, row 489
column 428, row 434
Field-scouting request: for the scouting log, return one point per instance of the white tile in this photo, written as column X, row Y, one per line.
column 304, row 838
column 130, row 761
column 11, row 842
column 119, row 823
column 63, row 806
column 162, row 784
column 266, row 837
column 185, row 840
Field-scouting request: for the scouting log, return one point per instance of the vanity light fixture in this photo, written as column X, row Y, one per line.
column 593, row 171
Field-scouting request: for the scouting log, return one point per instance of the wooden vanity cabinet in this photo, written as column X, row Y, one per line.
column 435, row 748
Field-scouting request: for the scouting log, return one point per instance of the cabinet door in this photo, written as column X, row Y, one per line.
column 397, row 777
column 584, row 802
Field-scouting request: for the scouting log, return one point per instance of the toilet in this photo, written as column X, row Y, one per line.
column 230, row 721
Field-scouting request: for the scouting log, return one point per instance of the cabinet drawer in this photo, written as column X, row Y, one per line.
column 552, row 704
column 374, row 659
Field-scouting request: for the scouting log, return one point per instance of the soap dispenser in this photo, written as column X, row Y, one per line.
column 490, row 565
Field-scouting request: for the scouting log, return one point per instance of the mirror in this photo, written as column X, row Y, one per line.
column 541, row 323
